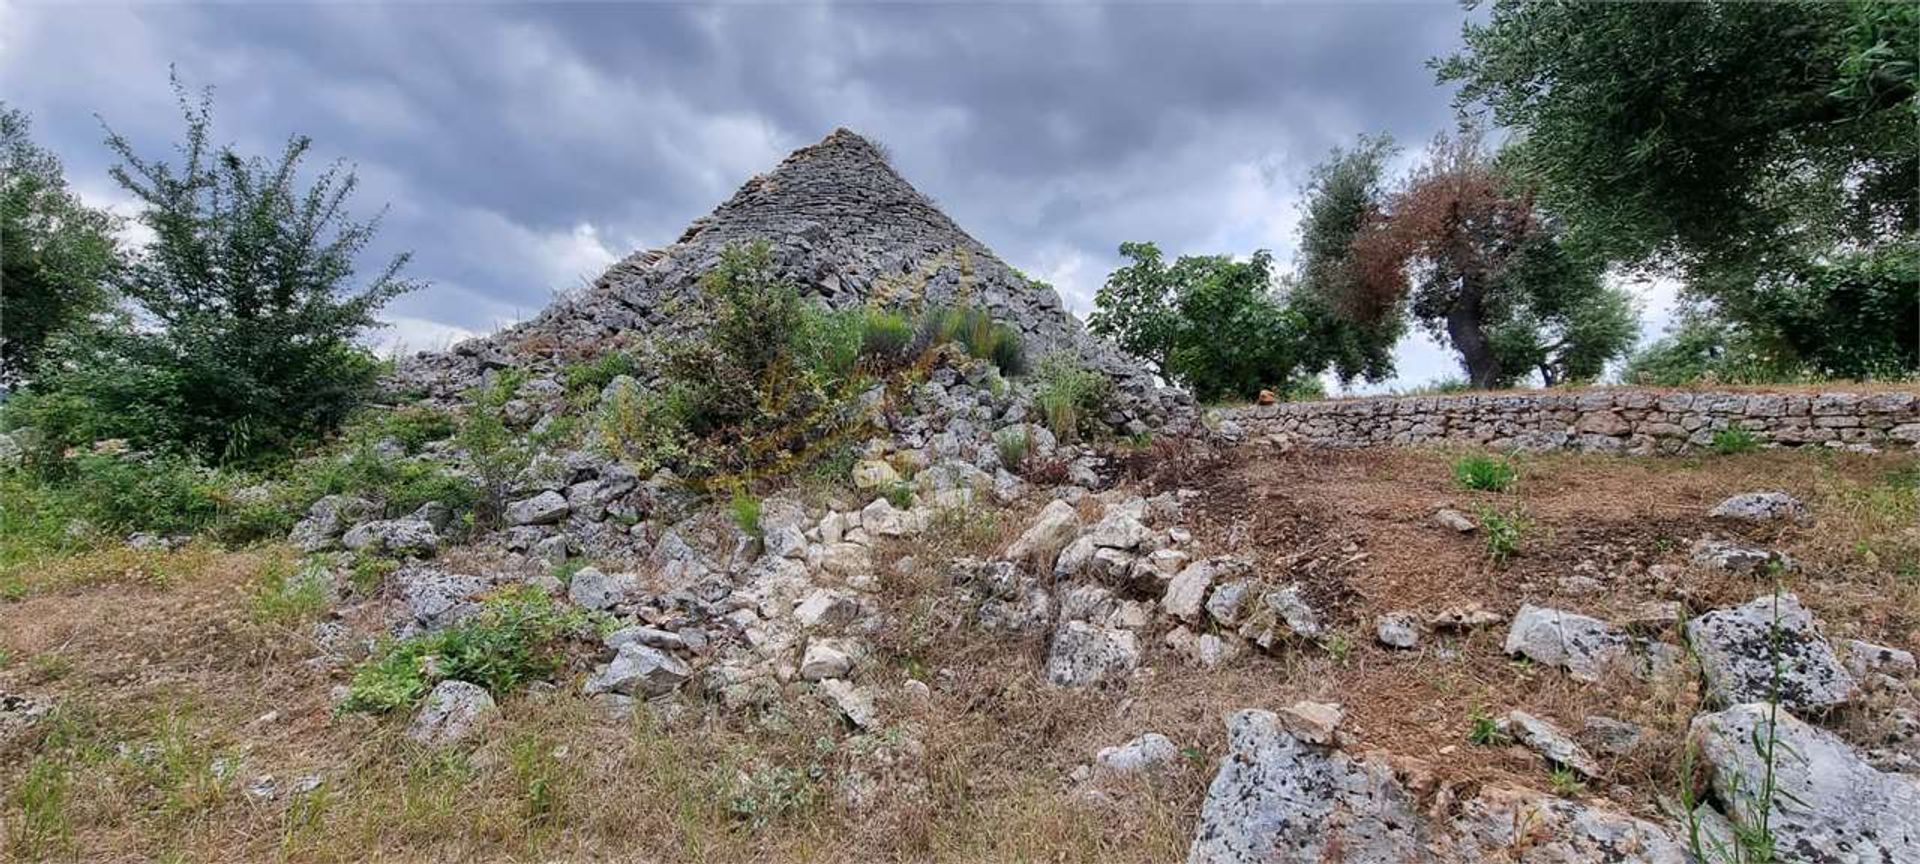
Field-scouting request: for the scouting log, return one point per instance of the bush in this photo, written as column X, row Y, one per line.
column 1728, row 442
column 590, row 376
column 400, row 485
column 242, row 340
column 1484, row 473
column 516, row 637
column 983, row 337
column 416, row 426
column 1013, row 445
column 746, row 512
column 1072, row 398
column 885, row 337
column 1504, row 533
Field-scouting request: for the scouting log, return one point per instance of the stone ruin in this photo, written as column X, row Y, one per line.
column 849, row 230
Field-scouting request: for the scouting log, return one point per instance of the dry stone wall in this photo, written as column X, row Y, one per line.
column 1618, row 420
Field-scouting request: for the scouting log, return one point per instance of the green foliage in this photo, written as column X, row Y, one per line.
column 1565, row 782
column 495, row 454
column 899, row 493
column 746, row 511
column 1209, row 323
column 771, row 794
column 1072, row 398
column 243, row 341
column 1485, row 730
column 590, row 376
column 416, row 426
column 1013, row 445
column 1753, row 148
column 286, row 595
column 1350, row 331
column 43, row 825
column 1504, row 531
column 1701, row 349
column 398, row 484
column 58, row 255
column 983, row 337
column 1484, row 473
column 515, row 637
column 1734, row 440
column 885, row 336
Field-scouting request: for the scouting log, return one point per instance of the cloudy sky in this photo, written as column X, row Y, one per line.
column 521, row 149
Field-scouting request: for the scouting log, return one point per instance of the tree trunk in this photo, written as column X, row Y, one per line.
column 1469, row 337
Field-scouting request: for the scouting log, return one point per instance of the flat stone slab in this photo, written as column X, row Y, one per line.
column 1743, row 656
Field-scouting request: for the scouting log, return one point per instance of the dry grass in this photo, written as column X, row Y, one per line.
column 177, row 692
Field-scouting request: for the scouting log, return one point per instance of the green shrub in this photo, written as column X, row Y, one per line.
column 746, row 511
column 1072, row 398
column 899, row 493
column 1484, row 473
column 983, row 337
column 1734, row 440
column 416, row 426
column 588, row 377
column 495, row 454
column 1504, row 533
column 241, row 341
column 517, row 636
column 400, row 485
column 885, row 337
column 286, row 595
column 1014, row 445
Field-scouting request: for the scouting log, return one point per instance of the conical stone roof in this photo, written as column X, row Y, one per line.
column 849, row 230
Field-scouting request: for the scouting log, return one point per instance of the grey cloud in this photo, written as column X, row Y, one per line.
column 1052, row 132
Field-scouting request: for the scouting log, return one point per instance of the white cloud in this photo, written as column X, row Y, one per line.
column 405, row 335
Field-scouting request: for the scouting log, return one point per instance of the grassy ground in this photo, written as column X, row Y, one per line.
column 182, row 679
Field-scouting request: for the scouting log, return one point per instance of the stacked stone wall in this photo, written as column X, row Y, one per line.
column 1614, row 419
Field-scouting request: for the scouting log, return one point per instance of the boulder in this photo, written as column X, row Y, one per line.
column 545, row 508
column 451, row 714
column 1585, row 647
column 1741, row 651
column 1228, row 602
column 1312, row 722
column 1187, row 593
column 1828, row 804
column 436, row 598
column 1120, row 528
column 1761, row 508
column 1088, row 655
column 326, row 520
column 638, row 670
column 828, row 658
column 398, row 537
column 874, row 474
column 1050, row 532
column 882, row 519
column 1866, row 658
column 18, row 714
column 593, row 589
column 1277, row 798
column 826, row 608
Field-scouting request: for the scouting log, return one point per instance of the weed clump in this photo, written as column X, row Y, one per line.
column 1484, row 473
column 516, row 637
column 1072, row 398
column 1734, row 441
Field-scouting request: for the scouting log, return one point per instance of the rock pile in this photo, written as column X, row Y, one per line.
column 846, row 228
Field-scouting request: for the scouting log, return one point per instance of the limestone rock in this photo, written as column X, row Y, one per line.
column 1762, row 507
column 1866, row 658
column 638, row 670
column 1584, row 646
column 1454, row 520
column 1088, row 655
column 1228, row 602
column 1312, row 722
column 451, row 714
column 854, row 703
column 545, row 508
column 1737, row 649
column 18, row 714
column 1547, row 740
column 1050, row 532
column 1397, row 630
column 1277, row 799
column 874, row 474
column 1738, row 558
column 1187, row 593
column 1829, row 805
column 400, row 537
column 828, row 658
column 1146, row 754
column 593, row 589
